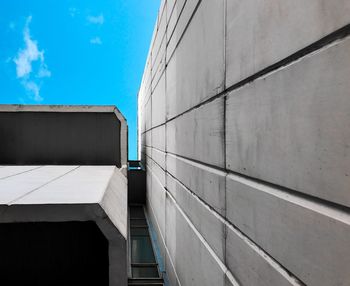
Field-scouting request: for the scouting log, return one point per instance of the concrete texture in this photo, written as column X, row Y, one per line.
column 261, row 33
column 206, row 222
column 288, row 128
column 247, row 167
column 159, row 157
column 62, row 135
column 199, row 135
column 207, row 183
column 195, row 71
column 158, row 103
column 310, row 239
column 71, row 193
column 158, row 138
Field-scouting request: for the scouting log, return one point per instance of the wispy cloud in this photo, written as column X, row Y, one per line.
column 96, row 41
column 33, row 88
column 73, row 11
column 99, row 20
column 24, row 59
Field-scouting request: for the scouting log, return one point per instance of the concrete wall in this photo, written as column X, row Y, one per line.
column 243, row 128
column 62, row 135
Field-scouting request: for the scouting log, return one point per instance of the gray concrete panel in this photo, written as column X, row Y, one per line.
column 59, row 138
column 157, row 199
column 194, row 261
column 180, row 19
column 204, row 220
column 160, row 36
column 261, row 33
column 148, row 114
column 251, row 266
column 196, row 70
column 159, row 66
column 199, row 134
column 158, row 137
column 159, row 157
column 207, row 183
column 158, row 103
column 310, row 239
column 288, row 128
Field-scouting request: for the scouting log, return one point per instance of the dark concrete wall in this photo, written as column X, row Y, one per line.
column 72, row 138
column 136, row 186
column 55, row 254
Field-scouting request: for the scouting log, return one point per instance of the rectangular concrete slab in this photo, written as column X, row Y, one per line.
column 207, row 183
column 158, row 137
column 199, row 134
column 250, row 265
column 16, row 187
column 159, row 173
column 10, row 171
column 288, row 127
column 158, row 103
column 308, row 238
column 160, row 36
column 159, row 65
column 261, row 33
column 159, row 157
column 189, row 268
column 148, row 114
column 157, row 199
column 115, row 201
column 179, row 20
column 82, row 184
column 54, row 135
column 196, row 70
column 203, row 218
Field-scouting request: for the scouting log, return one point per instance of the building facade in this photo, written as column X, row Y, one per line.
column 243, row 118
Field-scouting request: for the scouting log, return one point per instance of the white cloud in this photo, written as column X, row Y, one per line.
column 96, row 41
column 73, row 11
column 96, row 19
column 24, row 59
column 43, row 71
column 34, row 89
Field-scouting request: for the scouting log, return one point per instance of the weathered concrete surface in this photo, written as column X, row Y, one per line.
column 62, row 135
column 160, row 36
column 183, row 11
column 71, row 193
column 207, row 183
column 206, row 222
column 159, row 157
column 196, row 70
column 158, row 138
column 250, row 265
column 148, row 114
column 261, row 33
column 158, row 103
column 191, row 256
column 288, row 128
column 199, row 134
column 308, row 238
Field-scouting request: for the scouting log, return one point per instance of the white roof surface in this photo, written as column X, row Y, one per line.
column 61, row 185
column 53, row 184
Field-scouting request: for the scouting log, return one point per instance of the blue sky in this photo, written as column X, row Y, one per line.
column 76, row 52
